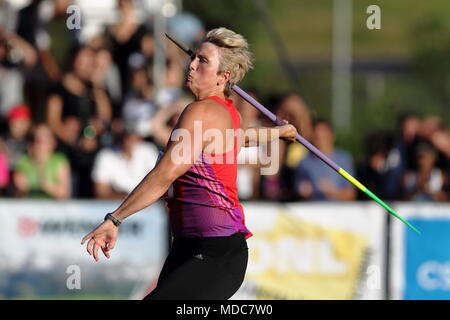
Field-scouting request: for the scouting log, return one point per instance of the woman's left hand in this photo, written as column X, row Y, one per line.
column 288, row 132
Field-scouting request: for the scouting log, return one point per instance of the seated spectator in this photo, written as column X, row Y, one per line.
column 292, row 108
column 172, row 85
column 428, row 182
column 248, row 159
column 79, row 113
column 19, row 124
column 165, row 119
column 79, row 101
column 42, row 173
column 429, row 126
column 139, row 105
column 176, row 61
column 408, row 137
column 440, row 139
column 382, row 170
column 314, row 179
column 106, row 72
column 118, row 170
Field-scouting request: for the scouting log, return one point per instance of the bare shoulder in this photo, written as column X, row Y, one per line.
column 208, row 111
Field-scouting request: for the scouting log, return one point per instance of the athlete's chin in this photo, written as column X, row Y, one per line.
column 188, row 85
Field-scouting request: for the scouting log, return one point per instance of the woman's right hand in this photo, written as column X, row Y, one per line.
column 103, row 237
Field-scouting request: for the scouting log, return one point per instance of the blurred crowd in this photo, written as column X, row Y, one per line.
column 83, row 119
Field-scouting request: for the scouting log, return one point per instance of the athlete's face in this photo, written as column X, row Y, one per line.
column 203, row 75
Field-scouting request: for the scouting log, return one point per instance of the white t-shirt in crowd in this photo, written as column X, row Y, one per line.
column 246, row 157
column 111, row 167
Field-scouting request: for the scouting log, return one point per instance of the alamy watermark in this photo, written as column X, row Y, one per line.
column 74, row 20
column 373, row 22
column 220, row 147
column 73, row 281
column 373, row 280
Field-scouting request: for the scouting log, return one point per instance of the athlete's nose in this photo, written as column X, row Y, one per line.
column 193, row 64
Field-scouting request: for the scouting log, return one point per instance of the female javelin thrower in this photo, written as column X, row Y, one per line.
column 209, row 253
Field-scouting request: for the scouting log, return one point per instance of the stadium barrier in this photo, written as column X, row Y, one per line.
column 324, row 250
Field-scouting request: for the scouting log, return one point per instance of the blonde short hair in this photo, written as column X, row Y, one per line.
column 234, row 54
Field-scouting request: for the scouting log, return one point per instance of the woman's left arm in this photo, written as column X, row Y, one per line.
column 263, row 135
column 102, row 103
column 60, row 189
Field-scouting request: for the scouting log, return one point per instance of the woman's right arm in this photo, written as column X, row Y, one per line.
column 54, row 117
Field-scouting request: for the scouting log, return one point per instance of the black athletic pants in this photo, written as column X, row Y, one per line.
column 211, row 268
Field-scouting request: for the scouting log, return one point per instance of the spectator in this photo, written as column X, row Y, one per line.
column 19, row 124
column 15, row 55
column 106, row 72
column 4, row 170
column 429, row 182
column 173, row 81
column 382, row 171
column 125, row 38
column 165, row 119
column 79, row 112
column 408, row 138
column 118, row 170
column 62, row 41
column 292, row 108
column 429, row 126
column 139, row 105
column 440, row 139
column 249, row 165
column 42, row 172
column 79, row 101
column 314, row 179
column 31, row 21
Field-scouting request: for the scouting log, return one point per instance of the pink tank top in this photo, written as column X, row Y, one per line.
column 205, row 201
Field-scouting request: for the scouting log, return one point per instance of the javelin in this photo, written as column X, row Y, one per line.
column 279, row 122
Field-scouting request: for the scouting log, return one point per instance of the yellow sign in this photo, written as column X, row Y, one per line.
column 302, row 260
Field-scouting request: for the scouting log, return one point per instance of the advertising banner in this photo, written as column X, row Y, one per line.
column 41, row 254
column 315, row 251
column 420, row 264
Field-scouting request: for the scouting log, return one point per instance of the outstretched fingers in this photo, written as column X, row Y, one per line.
column 109, row 246
column 95, row 252
column 90, row 246
column 88, row 236
column 105, row 252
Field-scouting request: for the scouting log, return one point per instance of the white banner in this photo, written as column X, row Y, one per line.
column 315, row 251
column 298, row 251
column 40, row 242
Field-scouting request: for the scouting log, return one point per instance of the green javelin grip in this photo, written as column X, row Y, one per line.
column 349, row 177
column 305, row 143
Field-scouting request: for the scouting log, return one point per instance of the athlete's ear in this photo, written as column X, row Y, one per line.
column 224, row 77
